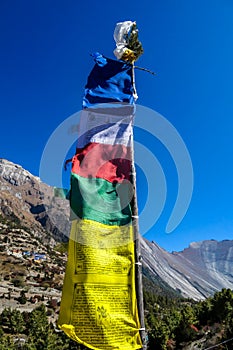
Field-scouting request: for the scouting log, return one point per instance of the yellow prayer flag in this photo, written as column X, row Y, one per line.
column 99, row 305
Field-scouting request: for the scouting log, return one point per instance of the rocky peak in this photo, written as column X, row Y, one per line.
column 15, row 174
column 30, row 200
column 197, row 272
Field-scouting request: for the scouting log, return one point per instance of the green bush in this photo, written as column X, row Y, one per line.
column 18, row 282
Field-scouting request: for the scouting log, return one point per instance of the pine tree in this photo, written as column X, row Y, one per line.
column 38, row 328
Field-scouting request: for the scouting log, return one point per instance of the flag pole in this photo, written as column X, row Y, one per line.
column 138, row 258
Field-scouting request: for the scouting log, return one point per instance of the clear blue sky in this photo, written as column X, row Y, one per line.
column 44, row 64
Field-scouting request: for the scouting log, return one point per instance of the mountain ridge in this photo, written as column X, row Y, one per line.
column 196, row 272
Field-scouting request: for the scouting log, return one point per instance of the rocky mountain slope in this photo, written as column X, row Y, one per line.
column 32, row 202
column 196, row 272
column 31, row 270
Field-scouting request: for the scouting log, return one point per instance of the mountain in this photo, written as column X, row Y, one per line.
column 196, row 272
column 32, row 202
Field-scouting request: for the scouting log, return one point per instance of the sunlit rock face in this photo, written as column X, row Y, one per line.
column 32, row 202
column 196, row 272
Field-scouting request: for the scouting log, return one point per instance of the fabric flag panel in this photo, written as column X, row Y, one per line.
column 99, row 304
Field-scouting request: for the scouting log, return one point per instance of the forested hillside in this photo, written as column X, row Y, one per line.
column 172, row 323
